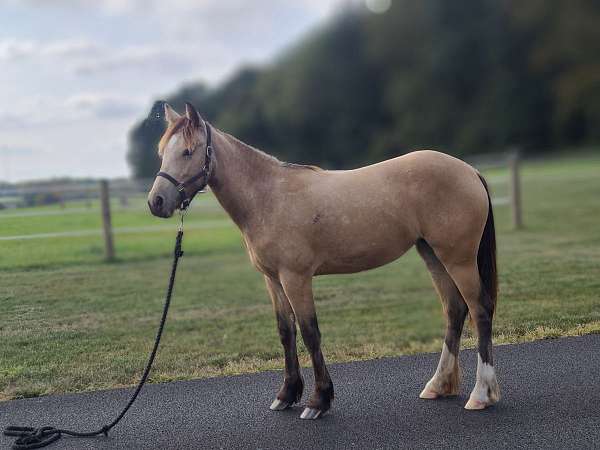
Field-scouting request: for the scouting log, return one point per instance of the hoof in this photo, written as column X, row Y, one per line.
column 279, row 405
column 428, row 394
column 474, row 405
column 310, row 414
column 437, row 389
column 486, row 391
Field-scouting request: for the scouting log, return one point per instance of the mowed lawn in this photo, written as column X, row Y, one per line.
column 70, row 322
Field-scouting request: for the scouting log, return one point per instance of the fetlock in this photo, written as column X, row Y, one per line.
column 291, row 391
column 321, row 398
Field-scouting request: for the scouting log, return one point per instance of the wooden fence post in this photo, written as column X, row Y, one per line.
column 515, row 191
column 109, row 248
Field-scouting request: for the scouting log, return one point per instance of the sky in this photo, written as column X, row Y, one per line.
column 75, row 75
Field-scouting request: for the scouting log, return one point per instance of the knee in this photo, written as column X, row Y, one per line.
column 286, row 327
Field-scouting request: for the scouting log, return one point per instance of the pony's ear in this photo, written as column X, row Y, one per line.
column 170, row 114
column 192, row 114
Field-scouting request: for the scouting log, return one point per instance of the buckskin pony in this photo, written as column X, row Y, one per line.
column 301, row 221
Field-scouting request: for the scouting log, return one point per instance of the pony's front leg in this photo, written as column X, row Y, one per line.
column 293, row 385
column 298, row 289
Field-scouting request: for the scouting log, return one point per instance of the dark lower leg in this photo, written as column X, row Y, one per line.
column 323, row 394
column 452, row 300
column 466, row 277
column 483, row 321
column 486, row 391
column 456, row 313
column 446, row 380
column 293, row 385
column 298, row 288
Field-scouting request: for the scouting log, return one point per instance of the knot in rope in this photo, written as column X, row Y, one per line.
column 29, row 437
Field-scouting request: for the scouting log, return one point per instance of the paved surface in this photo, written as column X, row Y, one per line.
column 551, row 399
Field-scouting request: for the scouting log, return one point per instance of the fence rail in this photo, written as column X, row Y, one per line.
column 118, row 230
column 126, row 193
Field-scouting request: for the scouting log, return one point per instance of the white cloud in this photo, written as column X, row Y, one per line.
column 72, row 48
column 102, row 105
column 137, row 58
column 15, row 150
column 83, row 57
column 9, row 120
column 48, row 111
column 14, row 49
column 32, row 112
column 174, row 7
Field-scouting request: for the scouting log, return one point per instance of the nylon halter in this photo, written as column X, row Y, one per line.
column 204, row 173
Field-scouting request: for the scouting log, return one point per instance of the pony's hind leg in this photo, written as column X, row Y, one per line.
column 293, row 385
column 481, row 308
column 446, row 380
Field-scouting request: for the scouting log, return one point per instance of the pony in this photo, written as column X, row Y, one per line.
column 300, row 221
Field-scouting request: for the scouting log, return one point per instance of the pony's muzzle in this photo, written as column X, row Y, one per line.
column 163, row 199
column 158, row 206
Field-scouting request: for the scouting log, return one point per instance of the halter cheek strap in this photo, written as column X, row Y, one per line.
column 204, row 174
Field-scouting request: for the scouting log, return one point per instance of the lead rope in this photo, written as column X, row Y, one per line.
column 29, row 437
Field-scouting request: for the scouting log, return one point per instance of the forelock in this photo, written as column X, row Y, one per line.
column 184, row 125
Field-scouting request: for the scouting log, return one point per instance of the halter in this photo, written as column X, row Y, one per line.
column 204, row 173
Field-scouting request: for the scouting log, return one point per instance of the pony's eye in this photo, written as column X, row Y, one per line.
column 187, row 153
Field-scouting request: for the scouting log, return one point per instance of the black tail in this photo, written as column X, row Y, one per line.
column 486, row 257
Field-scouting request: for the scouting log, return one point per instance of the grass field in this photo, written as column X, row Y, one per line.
column 70, row 322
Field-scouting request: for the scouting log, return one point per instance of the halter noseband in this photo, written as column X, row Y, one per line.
column 204, row 173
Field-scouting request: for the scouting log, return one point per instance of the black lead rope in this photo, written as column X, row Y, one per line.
column 29, row 437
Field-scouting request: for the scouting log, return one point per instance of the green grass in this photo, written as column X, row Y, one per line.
column 130, row 246
column 70, row 322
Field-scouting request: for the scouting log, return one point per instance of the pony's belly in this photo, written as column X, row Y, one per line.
column 351, row 260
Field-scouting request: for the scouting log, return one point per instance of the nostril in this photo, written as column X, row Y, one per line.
column 158, row 201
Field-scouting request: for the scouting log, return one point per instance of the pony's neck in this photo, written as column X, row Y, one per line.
column 243, row 177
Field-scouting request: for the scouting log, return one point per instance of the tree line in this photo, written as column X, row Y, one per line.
column 465, row 77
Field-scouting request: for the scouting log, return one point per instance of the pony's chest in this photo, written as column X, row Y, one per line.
column 261, row 255
column 270, row 252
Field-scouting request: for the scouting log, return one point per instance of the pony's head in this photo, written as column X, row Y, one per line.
column 181, row 150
